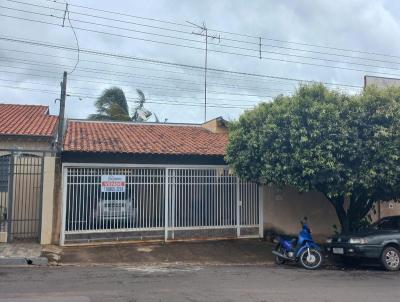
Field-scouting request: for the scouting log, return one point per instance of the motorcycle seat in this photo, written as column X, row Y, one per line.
column 287, row 237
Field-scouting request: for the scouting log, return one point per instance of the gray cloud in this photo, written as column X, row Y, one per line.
column 366, row 25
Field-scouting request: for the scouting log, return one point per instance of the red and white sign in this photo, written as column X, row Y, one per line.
column 113, row 183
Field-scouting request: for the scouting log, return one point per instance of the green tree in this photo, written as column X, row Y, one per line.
column 112, row 105
column 345, row 147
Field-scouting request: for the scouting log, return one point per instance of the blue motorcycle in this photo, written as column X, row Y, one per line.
column 302, row 249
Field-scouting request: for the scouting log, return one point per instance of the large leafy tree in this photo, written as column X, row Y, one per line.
column 112, row 105
column 345, row 147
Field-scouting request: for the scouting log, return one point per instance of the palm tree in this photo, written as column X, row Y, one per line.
column 140, row 114
column 112, row 105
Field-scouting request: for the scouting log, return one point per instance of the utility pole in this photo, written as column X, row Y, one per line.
column 60, row 132
column 204, row 33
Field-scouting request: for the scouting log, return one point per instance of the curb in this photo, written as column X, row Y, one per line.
column 13, row 261
column 164, row 264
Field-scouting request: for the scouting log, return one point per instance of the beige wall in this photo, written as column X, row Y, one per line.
column 26, row 143
column 217, row 125
column 385, row 208
column 57, row 210
column 48, row 200
column 284, row 208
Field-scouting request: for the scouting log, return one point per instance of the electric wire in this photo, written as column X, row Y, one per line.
column 221, row 51
column 155, row 61
column 229, row 32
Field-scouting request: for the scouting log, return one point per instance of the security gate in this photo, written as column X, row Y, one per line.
column 21, row 185
column 153, row 202
column 210, row 203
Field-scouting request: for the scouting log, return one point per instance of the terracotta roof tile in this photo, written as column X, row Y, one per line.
column 85, row 136
column 32, row 120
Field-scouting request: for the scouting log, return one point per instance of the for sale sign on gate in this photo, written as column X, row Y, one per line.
column 113, row 183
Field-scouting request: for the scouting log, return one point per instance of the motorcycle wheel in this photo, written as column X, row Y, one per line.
column 279, row 260
column 311, row 259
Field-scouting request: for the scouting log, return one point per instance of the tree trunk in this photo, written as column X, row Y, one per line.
column 338, row 204
column 343, row 217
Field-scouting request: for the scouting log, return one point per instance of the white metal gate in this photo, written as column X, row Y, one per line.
column 153, row 202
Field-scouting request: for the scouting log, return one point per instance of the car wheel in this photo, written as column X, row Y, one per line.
column 391, row 259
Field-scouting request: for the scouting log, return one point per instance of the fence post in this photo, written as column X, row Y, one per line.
column 64, row 205
column 166, row 205
column 238, row 207
column 260, row 210
column 10, row 198
column 47, row 199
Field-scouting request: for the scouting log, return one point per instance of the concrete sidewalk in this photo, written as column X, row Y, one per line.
column 239, row 252
column 21, row 254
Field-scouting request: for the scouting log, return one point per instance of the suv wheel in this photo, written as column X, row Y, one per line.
column 391, row 259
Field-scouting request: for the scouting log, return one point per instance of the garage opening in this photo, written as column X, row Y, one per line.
column 164, row 203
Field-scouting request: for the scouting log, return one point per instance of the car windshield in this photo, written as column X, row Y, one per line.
column 387, row 223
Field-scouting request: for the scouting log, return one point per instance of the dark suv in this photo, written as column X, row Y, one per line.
column 381, row 241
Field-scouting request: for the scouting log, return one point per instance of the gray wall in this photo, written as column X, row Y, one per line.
column 284, row 208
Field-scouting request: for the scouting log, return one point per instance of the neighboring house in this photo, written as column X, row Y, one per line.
column 27, row 135
column 27, row 127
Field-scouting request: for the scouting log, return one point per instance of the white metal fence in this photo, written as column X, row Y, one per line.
column 116, row 203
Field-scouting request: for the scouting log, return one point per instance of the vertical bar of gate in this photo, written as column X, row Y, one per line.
column 157, row 197
column 260, row 200
column 237, row 207
column 41, row 196
column 173, row 201
column 166, row 205
column 64, row 204
column 83, row 200
column 10, row 197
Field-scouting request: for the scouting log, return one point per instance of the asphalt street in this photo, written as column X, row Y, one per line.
column 195, row 283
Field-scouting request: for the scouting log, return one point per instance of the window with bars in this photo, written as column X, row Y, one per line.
column 4, row 172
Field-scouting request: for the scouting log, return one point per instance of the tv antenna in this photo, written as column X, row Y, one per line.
column 203, row 32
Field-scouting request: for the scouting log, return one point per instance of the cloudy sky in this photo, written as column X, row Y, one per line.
column 150, row 45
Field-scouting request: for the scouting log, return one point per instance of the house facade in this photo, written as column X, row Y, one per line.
column 124, row 181
column 117, row 181
column 27, row 165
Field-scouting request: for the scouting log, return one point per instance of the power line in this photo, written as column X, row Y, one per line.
column 145, row 85
column 154, row 61
column 219, row 51
column 212, row 50
column 103, row 71
column 130, row 100
column 76, row 37
column 47, row 55
column 164, row 95
column 225, row 38
column 229, row 32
